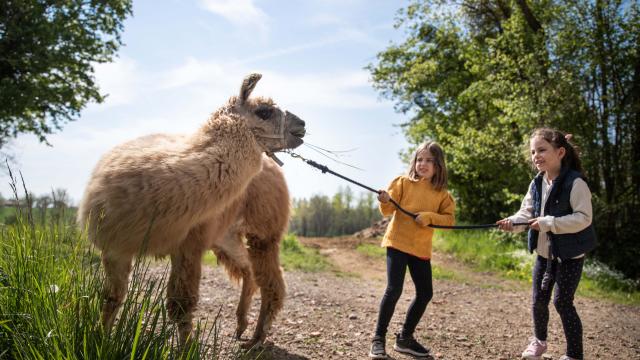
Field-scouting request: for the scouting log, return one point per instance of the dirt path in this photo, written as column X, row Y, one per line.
column 472, row 316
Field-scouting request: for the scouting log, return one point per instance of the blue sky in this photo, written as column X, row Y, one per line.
column 182, row 60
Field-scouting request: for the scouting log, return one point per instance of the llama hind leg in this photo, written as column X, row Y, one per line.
column 184, row 284
column 116, row 269
column 265, row 261
column 232, row 253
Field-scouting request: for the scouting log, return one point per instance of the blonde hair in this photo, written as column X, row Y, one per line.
column 439, row 179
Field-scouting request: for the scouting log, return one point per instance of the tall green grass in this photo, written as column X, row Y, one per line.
column 506, row 254
column 50, row 303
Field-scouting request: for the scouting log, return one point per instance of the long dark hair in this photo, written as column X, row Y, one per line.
column 558, row 139
column 439, row 179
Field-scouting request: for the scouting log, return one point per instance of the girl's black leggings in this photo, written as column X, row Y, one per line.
column 420, row 270
column 566, row 276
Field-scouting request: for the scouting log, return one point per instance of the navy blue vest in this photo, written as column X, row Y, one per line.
column 564, row 246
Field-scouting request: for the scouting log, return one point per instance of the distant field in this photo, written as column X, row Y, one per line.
column 8, row 214
column 6, row 211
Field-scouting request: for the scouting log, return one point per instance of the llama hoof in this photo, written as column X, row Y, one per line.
column 184, row 333
column 239, row 331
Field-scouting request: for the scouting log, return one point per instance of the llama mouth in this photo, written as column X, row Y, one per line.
column 294, row 141
column 300, row 133
column 297, row 131
column 295, row 124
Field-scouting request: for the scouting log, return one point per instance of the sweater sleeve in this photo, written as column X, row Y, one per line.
column 526, row 211
column 445, row 215
column 579, row 219
column 395, row 191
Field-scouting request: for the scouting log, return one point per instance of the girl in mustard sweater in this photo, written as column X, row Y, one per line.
column 408, row 242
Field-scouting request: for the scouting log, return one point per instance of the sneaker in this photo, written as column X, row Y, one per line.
column 409, row 345
column 565, row 357
column 535, row 349
column 377, row 348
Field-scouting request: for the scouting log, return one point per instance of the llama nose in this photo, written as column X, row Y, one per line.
column 296, row 125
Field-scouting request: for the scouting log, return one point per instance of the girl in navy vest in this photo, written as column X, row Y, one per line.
column 558, row 210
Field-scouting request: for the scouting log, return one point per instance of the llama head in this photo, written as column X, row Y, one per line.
column 274, row 129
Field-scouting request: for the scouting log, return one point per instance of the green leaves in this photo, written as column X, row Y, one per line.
column 47, row 52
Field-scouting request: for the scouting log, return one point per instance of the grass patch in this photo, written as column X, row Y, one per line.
column 9, row 215
column 50, row 303
column 378, row 252
column 441, row 273
column 209, row 258
column 506, row 254
column 295, row 256
column 372, row 251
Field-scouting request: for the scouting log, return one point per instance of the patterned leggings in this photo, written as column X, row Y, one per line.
column 566, row 276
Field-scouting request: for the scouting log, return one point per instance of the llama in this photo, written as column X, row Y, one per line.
column 166, row 195
column 261, row 216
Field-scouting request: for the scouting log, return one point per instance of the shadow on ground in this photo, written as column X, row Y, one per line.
column 271, row 351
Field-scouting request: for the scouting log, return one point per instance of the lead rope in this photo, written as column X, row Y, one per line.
column 325, row 169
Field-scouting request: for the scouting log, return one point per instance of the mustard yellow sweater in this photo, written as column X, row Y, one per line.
column 404, row 233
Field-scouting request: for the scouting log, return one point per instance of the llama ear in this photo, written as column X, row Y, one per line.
column 248, row 85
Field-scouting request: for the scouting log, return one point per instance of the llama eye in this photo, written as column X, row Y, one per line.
column 264, row 113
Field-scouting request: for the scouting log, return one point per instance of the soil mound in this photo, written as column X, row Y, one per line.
column 375, row 230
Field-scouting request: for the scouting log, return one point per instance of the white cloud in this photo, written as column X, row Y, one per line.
column 330, row 90
column 241, row 13
column 340, row 36
column 193, row 71
column 119, row 80
column 212, row 80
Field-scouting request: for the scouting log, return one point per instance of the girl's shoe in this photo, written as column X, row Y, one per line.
column 535, row 350
column 565, row 357
column 409, row 345
column 377, row 348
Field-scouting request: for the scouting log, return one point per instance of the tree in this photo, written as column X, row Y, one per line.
column 60, row 198
column 47, row 52
column 42, row 203
column 335, row 216
column 478, row 76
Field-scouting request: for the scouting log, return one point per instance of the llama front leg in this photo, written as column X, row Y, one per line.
column 116, row 270
column 265, row 262
column 184, row 284
column 232, row 253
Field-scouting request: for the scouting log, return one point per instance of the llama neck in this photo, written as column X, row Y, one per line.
column 226, row 156
column 228, row 133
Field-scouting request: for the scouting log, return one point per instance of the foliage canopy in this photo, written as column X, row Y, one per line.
column 47, row 52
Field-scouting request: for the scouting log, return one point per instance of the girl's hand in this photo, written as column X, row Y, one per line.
column 423, row 219
column 505, row 224
column 533, row 223
column 383, row 196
